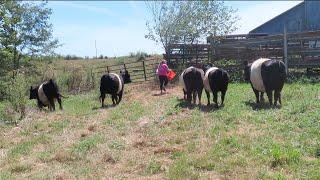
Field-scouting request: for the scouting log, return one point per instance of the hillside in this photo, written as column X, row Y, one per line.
column 155, row 137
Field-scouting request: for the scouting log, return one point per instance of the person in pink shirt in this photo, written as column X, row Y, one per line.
column 162, row 72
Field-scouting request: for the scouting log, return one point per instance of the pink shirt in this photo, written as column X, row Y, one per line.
column 163, row 70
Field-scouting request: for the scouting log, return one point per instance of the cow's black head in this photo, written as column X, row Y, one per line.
column 205, row 67
column 33, row 93
column 247, row 67
column 125, row 76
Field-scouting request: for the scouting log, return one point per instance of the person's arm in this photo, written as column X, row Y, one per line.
column 167, row 68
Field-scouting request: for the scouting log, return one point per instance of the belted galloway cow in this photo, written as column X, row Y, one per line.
column 266, row 75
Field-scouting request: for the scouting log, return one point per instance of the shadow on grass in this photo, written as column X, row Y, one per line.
column 184, row 104
column 160, row 94
column 104, row 107
column 261, row 106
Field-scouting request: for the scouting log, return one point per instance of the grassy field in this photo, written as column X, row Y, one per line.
column 149, row 136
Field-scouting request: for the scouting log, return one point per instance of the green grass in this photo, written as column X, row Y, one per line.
column 241, row 140
column 85, row 145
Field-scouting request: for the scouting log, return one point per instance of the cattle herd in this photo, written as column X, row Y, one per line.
column 265, row 76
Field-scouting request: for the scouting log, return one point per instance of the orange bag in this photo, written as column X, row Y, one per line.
column 171, row 75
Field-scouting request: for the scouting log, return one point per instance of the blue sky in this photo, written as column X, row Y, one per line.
column 119, row 26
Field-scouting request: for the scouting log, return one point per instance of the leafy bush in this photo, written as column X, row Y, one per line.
column 16, row 96
column 139, row 55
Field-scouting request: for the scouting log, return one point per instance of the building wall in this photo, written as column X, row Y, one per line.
column 313, row 14
column 299, row 18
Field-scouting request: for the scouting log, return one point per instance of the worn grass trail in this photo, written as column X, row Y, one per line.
column 156, row 137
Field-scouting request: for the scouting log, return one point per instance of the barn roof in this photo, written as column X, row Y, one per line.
column 282, row 14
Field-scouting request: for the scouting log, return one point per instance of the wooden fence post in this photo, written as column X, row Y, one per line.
column 285, row 47
column 108, row 69
column 196, row 54
column 144, row 71
column 208, row 49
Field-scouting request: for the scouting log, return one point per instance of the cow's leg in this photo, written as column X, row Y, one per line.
column 223, row 93
column 280, row 98
column 208, row 97
column 199, row 95
column 102, row 96
column 276, row 97
column 39, row 105
column 257, row 95
column 194, row 96
column 189, row 98
column 116, row 99
column 60, row 103
column 184, row 94
column 215, row 98
column 120, row 96
column 113, row 97
column 269, row 94
column 261, row 97
column 52, row 105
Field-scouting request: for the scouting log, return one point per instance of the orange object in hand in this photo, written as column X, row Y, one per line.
column 171, row 75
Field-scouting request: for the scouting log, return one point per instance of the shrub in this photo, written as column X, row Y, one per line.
column 141, row 55
column 16, row 96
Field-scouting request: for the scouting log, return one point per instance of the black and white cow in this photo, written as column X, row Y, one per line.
column 192, row 84
column 266, row 75
column 111, row 83
column 215, row 80
column 46, row 94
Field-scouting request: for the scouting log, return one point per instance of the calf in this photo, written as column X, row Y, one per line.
column 266, row 75
column 113, row 84
column 45, row 94
column 215, row 80
column 192, row 84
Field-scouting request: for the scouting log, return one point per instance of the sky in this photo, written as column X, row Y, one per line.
column 119, row 27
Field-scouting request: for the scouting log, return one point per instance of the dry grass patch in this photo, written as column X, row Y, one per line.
column 63, row 156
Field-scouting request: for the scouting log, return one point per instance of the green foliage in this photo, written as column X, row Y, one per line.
column 72, row 57
column 25, row 30
column 139, row 55
column 16, row 90
column 188, row 21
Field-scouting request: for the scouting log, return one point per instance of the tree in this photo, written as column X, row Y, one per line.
column 188, row 21
column 25, row 30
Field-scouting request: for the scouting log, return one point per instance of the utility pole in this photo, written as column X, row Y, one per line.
column 95, row 44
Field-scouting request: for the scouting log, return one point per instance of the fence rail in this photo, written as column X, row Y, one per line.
column 300, row 49
column 139, row 70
